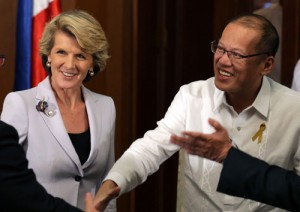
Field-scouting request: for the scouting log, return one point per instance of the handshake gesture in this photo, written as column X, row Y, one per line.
column 214, row 146
column 108, row 191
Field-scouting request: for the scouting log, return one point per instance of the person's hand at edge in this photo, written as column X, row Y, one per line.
column 89, row 207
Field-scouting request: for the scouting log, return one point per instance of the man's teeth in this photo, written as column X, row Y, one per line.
column 68, row 74
column 224, row 73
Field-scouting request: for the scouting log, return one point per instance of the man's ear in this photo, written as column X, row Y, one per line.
column 268, row 65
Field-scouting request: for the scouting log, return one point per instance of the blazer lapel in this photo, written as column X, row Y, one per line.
column 55, row 123
column 92, row 105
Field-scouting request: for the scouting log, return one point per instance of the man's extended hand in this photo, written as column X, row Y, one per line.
column 108, row 191
column 213, row 146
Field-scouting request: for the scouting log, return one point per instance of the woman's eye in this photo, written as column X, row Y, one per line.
column 60, row 52
column 81, row 57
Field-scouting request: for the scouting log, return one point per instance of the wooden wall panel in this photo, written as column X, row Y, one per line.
column 8, row 11
column 290, row 39
column 173, row 48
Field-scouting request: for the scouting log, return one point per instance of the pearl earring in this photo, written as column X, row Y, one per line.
column 48, row 64
column 91, row 72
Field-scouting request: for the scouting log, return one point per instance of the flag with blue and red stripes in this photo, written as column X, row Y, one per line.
column 32, row 16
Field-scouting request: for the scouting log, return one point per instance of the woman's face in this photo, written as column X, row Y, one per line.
column 69, row 64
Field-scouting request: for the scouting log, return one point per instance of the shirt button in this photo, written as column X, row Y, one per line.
column 238, row 128
column 78, row 178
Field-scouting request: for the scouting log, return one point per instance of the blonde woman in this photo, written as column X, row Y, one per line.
column 66, row 129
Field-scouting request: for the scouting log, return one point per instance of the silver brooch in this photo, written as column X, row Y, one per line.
column 47, row 108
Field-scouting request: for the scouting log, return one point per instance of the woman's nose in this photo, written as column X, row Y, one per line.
column 70, row 62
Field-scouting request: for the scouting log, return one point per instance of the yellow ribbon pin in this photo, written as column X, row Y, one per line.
column 259, row 133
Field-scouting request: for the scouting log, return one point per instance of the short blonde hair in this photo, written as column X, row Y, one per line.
column 86, row 30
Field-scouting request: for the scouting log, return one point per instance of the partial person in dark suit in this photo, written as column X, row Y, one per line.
column 19, row 189
column 243, row 175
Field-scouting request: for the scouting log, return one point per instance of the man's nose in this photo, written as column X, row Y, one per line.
column 225, row 59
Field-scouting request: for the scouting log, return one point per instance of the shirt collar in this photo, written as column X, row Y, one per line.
column 261, row 103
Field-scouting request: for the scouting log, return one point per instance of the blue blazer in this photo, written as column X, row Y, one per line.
column 19, row 190
column 49, row 149
column 249, row 177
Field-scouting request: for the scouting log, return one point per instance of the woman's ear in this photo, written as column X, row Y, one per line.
column 268, row 65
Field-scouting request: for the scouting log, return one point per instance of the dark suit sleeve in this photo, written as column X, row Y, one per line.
column 249, row 177
column 19, row 190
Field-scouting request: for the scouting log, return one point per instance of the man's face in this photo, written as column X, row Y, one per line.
column 238, row 76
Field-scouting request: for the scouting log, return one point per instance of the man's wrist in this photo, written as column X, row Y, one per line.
column 226, row 151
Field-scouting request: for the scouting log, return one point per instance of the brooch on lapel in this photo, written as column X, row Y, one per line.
column 46, row 108
column 258, row 134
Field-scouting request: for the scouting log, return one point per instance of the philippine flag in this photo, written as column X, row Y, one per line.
column 32, row 16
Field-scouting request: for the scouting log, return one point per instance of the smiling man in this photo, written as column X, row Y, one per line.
column 252, row 107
